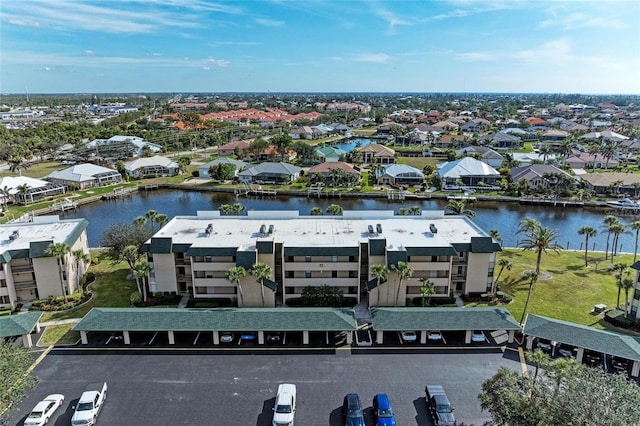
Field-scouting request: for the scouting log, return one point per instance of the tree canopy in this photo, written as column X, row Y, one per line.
column 14, row 362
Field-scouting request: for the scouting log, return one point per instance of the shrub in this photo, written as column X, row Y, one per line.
column 135, row 298
column 89, row 277
column 616, row 317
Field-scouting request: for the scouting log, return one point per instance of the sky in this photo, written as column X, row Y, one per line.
column 186, row 46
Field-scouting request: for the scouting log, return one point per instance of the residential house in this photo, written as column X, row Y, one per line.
column 539, row 176
column 502, row 141
column 157, row 166
column 24, row 189
column 203, row 170
column 377, row 154
column 81, row 176
column 304, row 132
column 121, row 147
column 467, row 171
column 329, row 154
column 191, row 255
column 399, row 174
column 603, row 183
column 335, row 172
column 271, row 153
column 270, row 173
column 233, row 148
column 586, row 160
column 487, row 155
column 26, row 272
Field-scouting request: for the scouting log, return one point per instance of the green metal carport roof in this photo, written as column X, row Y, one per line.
column 582, row 336
column 220, row 319
column 446, row 319
column 18, row 325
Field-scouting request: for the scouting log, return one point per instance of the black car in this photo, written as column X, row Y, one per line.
column 592, row 359
column 352, row 410
column 274, row 338
column 619, row 364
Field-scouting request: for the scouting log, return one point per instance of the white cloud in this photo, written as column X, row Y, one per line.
column 46, row 69
column 23, row 22
column 392, row 19
column 216, row 62
column 206, row 68
column 555, row 50
column 269, row 22
column 376, row 58
column 88, row 52
column 475, row 56
column 582, row 20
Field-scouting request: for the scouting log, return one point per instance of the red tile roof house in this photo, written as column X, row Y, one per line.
column 271, row 153
column 230, row 148
column 323, row 172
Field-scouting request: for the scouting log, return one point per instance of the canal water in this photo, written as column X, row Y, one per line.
column 505, row 217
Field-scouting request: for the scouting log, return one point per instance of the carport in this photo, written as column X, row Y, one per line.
column 442, row 319
column 583, row 337
column 20, row 325
column 257, row 320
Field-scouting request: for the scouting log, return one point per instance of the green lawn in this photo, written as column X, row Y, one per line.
column 111, row 288
column 571, row 290
column 59, row 335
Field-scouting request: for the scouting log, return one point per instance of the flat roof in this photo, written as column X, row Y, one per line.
column 444, row 319
column 218, row 319
column 347, row 230
column 582, row 336
column 18, row 325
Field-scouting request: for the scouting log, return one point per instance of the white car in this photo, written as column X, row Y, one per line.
column 478, row 336
column 226, row 337
column 409, row 336
column 285, row 407
column 434, row 335
column 42, row 412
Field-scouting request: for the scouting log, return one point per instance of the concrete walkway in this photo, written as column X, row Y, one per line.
column 59, row 322
column 361, row 311
column 183, row 301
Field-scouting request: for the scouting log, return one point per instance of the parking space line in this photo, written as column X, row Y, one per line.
column 195, row 341
column 523, row 363
column 153, row 338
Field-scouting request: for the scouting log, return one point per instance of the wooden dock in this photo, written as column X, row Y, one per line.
column 395, row 195
column 118, row 193
column 249, row 189
column 149, row 187
column 551, row 202
column 64, row 205
column 318, row 192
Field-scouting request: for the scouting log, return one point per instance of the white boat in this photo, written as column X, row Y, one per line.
column 624, row 204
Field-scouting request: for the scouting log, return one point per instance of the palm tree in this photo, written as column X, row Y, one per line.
column 539, row 359
column 334, row 209
column 380, row 273
column 608, row 221
column 589, row 232
column 261, row 271
column 161, row 220
column 504, row 264
column 404, row 272
column 225, row 209
column 138, row 275
column 22, row 190
column 131, row 255
column 458, row 207
column 616, row 229
column 142, row 270
column 5, row 192
column 237, row 208
column 81, row 258
column 427, row 289
column 140, row 221
column 533, row 277
column 403, row 211
column 635, row 225
column 540, row 239
column 618, row 269
column 627, row 284
column 151, row 217
column 415, row 210
column 59, row 251
column 316, row 211
column 234, row 275
column 495, row 234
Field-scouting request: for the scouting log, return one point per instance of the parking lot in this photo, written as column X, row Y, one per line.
column 209, row 387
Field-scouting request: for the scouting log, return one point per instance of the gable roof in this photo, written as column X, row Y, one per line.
column 237, row 163
column 330, row 151
column 156, row 160
column 219, row 319
column 272, row 168
column 466, row 166
column 326, row 168
column 534, row 171
column 377, row 150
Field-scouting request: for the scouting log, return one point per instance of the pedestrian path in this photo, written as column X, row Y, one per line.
column 183, row 301
column 60, row 322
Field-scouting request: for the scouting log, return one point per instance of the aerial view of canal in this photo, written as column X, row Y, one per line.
column 505, row 217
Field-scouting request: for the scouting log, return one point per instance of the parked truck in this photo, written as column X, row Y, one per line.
column 285, row 407
column 89, row 406
column 439, row 406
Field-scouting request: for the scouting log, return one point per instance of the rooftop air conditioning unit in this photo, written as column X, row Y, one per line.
column 433, row 229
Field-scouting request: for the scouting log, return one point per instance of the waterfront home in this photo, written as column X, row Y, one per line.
column 399, row 174
column 81, row 176
column 377, row 154
column 586, row 160
column 192, row 254
column 329, row 154
column 270, row 173
column 605, row 183
column 157, row 166
column 487, row 155
column 467, row 171
column 203, row 169
column 540, row 176
column 272, row 153
column 24, row 189
column 121, row 146
column 27, row 272
column 332, row 173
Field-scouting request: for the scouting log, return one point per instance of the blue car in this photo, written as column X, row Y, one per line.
column 382, row 410
column 352, row 410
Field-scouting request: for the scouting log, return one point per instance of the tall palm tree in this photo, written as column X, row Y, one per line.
column 415, row 210
column 261, row 271
column 427, row 289
column 59, row 251
column 618, row 269
column 504, row 264
column 81, row 258
column 616, row 229
column 234, row 275
column 143, row 269
column 151, row 217
column 5, row 192
column 627, row 284
column 140, row 221
column 23, row 190
column 635, row 225
column 608, row 221
column 404, row 272
column 334, row 209
column 533, row 277
column 590, row 232
column 495, row 234
column 541, row 240
column 380, row 273
column 138, row 275
column 161, row 220
column 459, row 207
column 539, row 359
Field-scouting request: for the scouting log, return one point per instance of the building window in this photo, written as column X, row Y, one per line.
column 290, row 274
column 3, row 283
column 352, row 258
column 208, row 259
column 636, row 294
column 289, row 259
column 307, row 258
column 334, row 274
column 334, row 258
column 434, row 258
column 307, row 274
column 490, row 272
column 489, row 286
column 353, row 274
column 4, row 300
column 289, row 290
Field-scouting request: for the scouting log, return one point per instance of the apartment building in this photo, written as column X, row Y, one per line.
column 27, row 273
column 192, row 254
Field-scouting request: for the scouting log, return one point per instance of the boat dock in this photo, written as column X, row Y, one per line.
column 149, row 187
column 551, row 202
column 464, row 197
column 395, row 195
column 64, row 205
column 118, row 193
column 318, row 192
column 249, row 189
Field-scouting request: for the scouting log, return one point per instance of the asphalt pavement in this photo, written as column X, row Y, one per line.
column 182, row 387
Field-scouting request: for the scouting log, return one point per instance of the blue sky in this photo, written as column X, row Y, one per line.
column 77, row 46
